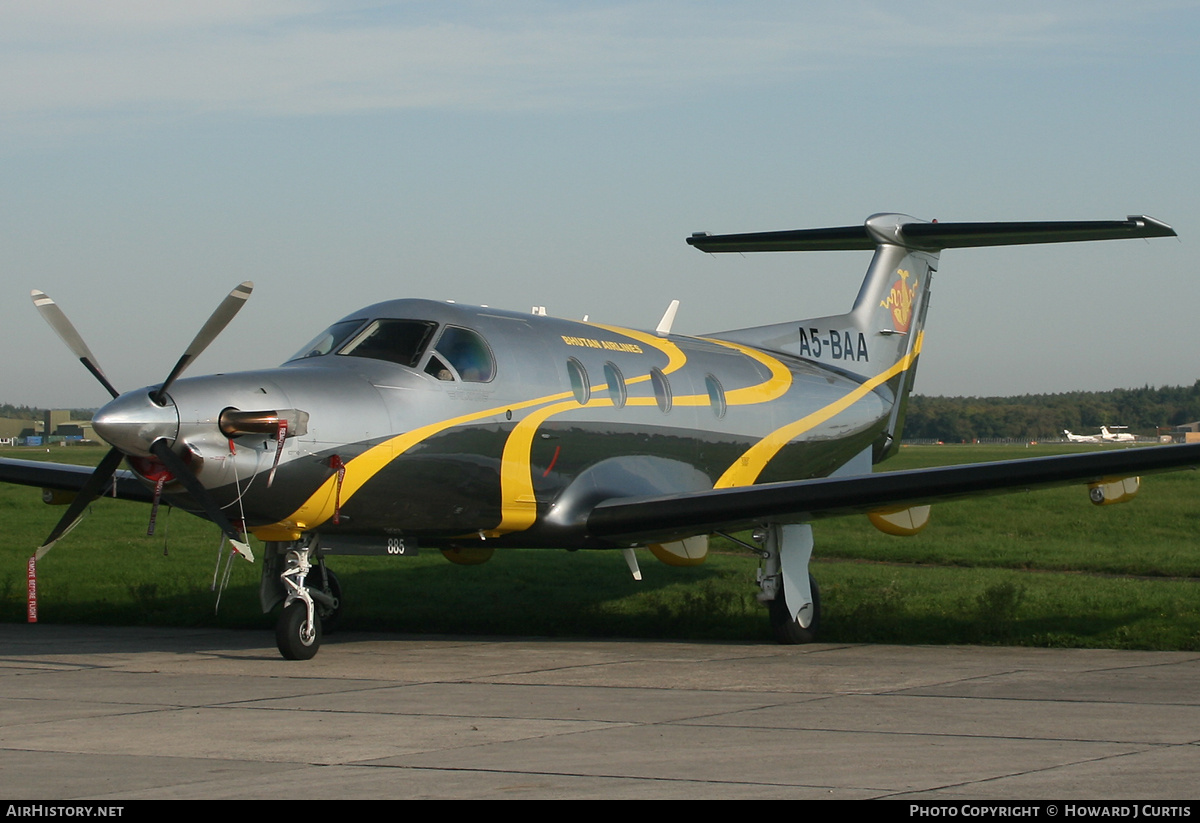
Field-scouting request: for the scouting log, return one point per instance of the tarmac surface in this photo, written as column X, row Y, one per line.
column 130, row 713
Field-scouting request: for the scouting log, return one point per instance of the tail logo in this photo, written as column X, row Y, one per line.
column 900, row 300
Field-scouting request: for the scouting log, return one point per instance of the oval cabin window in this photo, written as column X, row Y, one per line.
column 616, row 385
column 662, row 389
column 579, row 381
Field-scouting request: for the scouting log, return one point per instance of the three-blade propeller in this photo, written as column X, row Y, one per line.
column 100, row 479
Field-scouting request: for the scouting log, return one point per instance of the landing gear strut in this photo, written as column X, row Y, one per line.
column 326, row 592
column 790, row 592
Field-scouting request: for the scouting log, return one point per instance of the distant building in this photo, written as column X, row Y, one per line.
column 1187, row 433
column 12, row 427
column 56, row 422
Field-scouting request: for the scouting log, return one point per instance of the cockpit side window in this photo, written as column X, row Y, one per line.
column 468, row 353
column 396, row 341
column 328, row 340
column 437, row 368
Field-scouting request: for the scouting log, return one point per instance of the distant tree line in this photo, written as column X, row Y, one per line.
column 12, row 412
column 1044, row 416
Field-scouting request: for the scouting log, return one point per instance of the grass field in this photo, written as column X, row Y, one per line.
column 1045, row 568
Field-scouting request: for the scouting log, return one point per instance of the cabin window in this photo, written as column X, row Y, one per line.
column 616, row 385
column 396, row 341
column 662, row 389
column 716, row 395
column 467, row 352
column 328, row 340
column 579, row 381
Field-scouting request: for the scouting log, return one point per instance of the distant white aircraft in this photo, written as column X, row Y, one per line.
column 1081, row 438
column 1115, row 437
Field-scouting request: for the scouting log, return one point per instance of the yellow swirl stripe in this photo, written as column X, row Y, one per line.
column 319, row 507
column 749, row 466
column 517, row 500
column 675, row 357
column 518, row 505
column 774, row 387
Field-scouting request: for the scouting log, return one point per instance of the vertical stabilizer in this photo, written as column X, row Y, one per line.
column 880, row 334
column 885, row 322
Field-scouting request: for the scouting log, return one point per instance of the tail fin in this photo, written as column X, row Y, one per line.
column 882, row 332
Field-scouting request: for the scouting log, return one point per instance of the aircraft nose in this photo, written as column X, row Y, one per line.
column 133, row 421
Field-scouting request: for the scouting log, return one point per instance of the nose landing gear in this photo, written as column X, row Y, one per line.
column 311, row 603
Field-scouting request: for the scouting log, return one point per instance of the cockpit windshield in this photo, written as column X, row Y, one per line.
column 396, row 341
column 460, row 353
column 328, row 340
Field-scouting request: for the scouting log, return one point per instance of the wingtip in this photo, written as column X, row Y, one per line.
column 1158, row 227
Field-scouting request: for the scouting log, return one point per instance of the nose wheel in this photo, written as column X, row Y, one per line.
column 298, row 631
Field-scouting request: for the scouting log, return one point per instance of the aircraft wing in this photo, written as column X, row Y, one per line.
column 67, row 477
column 675, row 516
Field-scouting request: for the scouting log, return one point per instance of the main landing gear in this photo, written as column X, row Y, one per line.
column 790, row 592
column 311, row 596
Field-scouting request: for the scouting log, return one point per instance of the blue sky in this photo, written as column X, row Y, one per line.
column 153, row 155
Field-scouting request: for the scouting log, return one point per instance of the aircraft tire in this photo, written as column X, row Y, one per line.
column 786, row 630
column 329, row 617
column 289, row 633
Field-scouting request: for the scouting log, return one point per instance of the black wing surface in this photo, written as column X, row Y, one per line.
column 675, row 516
column 66, row 477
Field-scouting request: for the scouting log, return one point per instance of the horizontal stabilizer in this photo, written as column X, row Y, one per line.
column 910, row 233
column 671, row 517
column 842, row 238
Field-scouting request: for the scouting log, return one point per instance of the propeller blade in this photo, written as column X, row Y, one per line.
column 92, row 489
column 216, row 323
column 58, row 321
column 195, row 488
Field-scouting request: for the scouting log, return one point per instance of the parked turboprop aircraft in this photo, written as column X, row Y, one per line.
column 1081, row 438
column 464, row 429
column 1116, row 437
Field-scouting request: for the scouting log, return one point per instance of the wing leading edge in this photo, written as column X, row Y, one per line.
column 675, row 516
column 67, row 477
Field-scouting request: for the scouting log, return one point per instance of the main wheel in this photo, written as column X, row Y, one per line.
column 293, row 641
column 333, row 588
column 788, row 631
